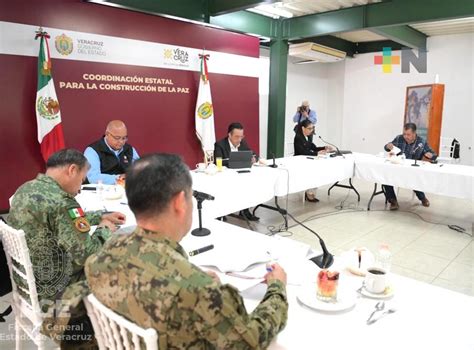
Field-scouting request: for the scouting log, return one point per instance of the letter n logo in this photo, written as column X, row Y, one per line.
column 419, row 62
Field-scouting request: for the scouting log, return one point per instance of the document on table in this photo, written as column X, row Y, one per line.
column 230, row 261
column 243, row 280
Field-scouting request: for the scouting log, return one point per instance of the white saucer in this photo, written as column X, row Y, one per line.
column 388, row 293
column 307, row 296
column 112, row 193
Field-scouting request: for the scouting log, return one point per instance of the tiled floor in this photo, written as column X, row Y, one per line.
column 422, row 250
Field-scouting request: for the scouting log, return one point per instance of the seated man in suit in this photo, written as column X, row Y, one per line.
column 304, row 146
column 414, row 147
column 234, row 142
column 110, row 156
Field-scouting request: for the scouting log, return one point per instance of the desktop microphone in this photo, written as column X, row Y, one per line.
column 413, row 153
column 274, row 164
column 338, row 152
column 201, row 196
column 324, row 260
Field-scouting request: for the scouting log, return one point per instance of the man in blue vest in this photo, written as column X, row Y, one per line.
column 110, row 156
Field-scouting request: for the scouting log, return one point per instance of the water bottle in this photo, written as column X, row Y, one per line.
column 384, row 258
column 100, row 189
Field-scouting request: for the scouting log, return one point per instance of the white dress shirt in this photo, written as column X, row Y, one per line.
column 232, row 147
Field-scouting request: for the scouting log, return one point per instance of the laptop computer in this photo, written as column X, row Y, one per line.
column 240, row 160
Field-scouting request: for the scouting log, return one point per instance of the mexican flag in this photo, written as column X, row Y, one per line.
column 205, row 112
column 76, row 213
column 48, row 116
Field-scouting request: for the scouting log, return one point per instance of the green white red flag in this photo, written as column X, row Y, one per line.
column 48, row 115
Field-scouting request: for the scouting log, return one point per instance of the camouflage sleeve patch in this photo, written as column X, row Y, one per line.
column 102, row 234
column 94, row 217
column 73, row 235
column 226, row 323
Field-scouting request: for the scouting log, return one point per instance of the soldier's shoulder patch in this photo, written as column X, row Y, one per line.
column 82, row 225
column 75, row 212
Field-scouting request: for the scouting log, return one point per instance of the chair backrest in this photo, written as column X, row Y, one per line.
column 447, row 146
column 25, row 296
column 448, row 149
column 113, row 331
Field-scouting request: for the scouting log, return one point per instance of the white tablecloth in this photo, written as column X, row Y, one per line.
column 235, row 191
column 427, row 317
column 232, row 191
column 451, row 180
column 302, row 173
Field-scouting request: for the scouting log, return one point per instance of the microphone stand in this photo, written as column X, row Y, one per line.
column 201, row 231
column 338, row 152
column 274, row 164
column 413, row 155
column 324, row 260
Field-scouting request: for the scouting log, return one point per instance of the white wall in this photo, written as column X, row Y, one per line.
column 361, row 108
column 374, row 102
column 321, row 84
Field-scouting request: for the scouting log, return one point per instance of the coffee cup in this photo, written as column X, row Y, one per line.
column 376, row 280
column 201, row 166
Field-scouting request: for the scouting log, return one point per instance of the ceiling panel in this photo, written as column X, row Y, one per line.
column 360, row 36
column 296, row 8
column 453, row 26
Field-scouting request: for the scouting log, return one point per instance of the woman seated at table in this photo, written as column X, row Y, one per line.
column 304, row 146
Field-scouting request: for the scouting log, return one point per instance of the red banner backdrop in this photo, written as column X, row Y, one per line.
column 156, row 122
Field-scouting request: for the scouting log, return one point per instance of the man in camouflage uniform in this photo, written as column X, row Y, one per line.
column 147, row 277
column 57, row 229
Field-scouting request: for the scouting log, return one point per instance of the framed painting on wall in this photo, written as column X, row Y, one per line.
column 424, row 107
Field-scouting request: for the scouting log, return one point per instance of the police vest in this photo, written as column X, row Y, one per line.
column 109, row 162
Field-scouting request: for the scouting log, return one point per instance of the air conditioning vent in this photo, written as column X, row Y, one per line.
column 315, row 52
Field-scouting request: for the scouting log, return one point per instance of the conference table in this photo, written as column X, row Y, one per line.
column 452, row 180
column 426, row 316
column 234, row 191
column 300, row 173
